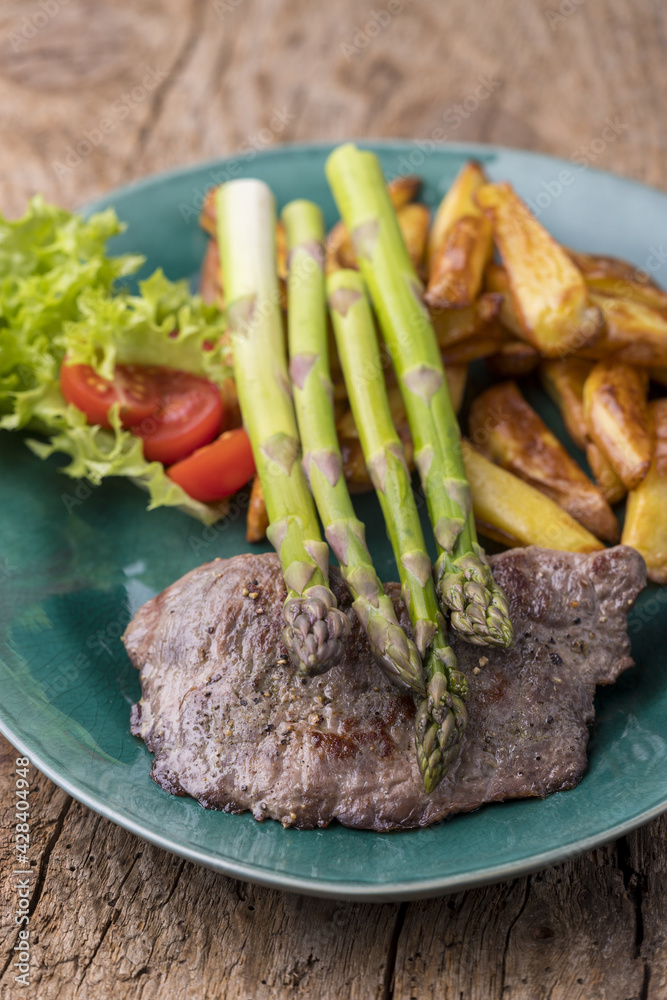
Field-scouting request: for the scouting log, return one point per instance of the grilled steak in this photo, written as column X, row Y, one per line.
column 230, row 723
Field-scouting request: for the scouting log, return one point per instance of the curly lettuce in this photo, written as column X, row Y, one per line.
column 58, row 296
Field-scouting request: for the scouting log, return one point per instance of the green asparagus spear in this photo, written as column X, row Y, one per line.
column 315, row 630
column 312, row 390
column 463, row 578
column 441, row 713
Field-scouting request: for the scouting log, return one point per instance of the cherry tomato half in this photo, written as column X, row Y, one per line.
column 173, row 411
column 218, row 470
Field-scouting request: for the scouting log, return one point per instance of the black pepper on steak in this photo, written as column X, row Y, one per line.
column 342, row 747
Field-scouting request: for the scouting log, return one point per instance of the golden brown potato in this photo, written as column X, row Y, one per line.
column 514, row 359
column 457, row 266
column 458, row 201
column 413, row 222
column 281, row 251
column 207, row 216
column 257, row 519
column 515, row 513
column 634, row 333
column 454, row 325
column 646, row 513
column 564, row 381
column 496, row 282
column 617, row 418
column 548, row 291
column 610, row 484
column 403, row 190
column 210, row 279
column 230, row 405
column 596, row 267
column 508, row 431
column 481, row 345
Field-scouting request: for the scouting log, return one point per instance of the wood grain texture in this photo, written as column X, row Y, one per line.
column 142, row 85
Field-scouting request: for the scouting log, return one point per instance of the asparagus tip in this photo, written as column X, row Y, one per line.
column 315, row 631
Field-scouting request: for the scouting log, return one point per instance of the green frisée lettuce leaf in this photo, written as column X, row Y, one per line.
column 163, row 325
column 95, row 453
column 47, row 259
column 57, row 298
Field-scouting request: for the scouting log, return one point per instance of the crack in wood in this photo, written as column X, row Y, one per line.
column 503, row 966
column 392, row 951
column 162, row 92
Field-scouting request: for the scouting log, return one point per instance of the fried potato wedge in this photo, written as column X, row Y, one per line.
column 514, row 359
column 413, row 220
column 515, row 513
column 506, row 429
column 548, row 291
column 617, row 418
column 564, row 382
column 458, row 201
column 403, row 190
column 457, row 266
column 609, row 482
column 634, row 333
column 481, row 345
column 207, row 214
column 454, row 325
column 646, row 512
column 257, row 518
column 210, row 279
column 596, row 266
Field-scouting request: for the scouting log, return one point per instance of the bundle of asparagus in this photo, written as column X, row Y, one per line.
column 478, row 606
column 441, row 714
column 315, row 630
column 312, row 390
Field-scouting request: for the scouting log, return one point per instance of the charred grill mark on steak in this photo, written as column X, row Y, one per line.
column 236, row 729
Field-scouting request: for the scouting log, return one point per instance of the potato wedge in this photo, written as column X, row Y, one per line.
column 413, row 220
column 403, row 190
column 634, row 333
column 207, row 218
column 646, row 513
column 457, row 266
column 481, row 345
column 496, row 282
column 617, row 418
column 506, row 429
column 548, row 291
column 610, row 484
column 257, row 518
column 595, row 266
column 210, row 279
column 514, row 359
column 458, row 201
column 454, row 325
column 515, row 513
column 564, row 382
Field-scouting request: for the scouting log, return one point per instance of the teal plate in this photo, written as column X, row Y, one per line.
column 78, row 562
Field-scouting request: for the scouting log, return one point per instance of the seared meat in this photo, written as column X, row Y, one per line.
column 230, row 723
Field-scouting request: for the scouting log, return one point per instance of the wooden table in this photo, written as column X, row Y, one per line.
column 111, row 915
